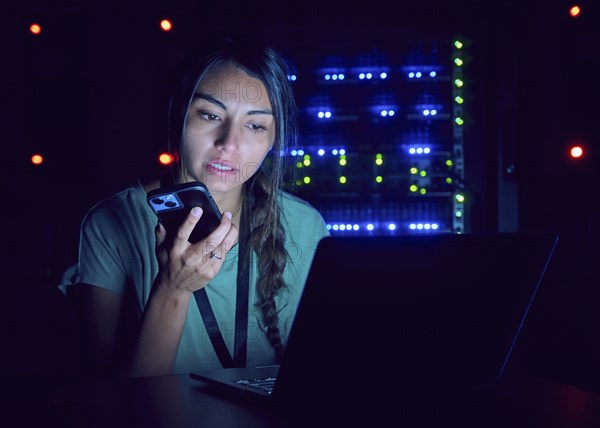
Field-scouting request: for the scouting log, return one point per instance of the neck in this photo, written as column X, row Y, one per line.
column 231, row 201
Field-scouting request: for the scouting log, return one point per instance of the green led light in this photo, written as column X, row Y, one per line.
column 423, row 191
column 459, row 121
column 458, row 62
column 448, row 180
column 378, row 156
column 306, row 162
column 459, row 83
column 413, row 188
column 343, row 179
column 449, row 162
column 343, row 162
column 379, row 179
column 423, row 173
column 459, row 197
column 299, row 165
column 458, row 99
column 306, row 180
column 298, row 183
column 414, row 170
column 378, row 162
column 458, row 44
column 307, row 157
column 458, row 213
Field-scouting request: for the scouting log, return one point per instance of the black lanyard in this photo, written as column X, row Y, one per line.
column 241, row 319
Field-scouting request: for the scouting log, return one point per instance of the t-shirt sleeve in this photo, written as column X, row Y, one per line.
column 99, row 261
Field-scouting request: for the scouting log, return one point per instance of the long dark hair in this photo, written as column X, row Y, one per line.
column 261, row 230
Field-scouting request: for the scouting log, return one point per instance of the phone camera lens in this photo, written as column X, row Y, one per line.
column 171, row 204
column 158, row 201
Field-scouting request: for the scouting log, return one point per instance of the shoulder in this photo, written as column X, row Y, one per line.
column 300, row 218
column 123, row 207
column 294, row 207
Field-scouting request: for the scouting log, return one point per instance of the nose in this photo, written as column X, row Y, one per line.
column 228, row 139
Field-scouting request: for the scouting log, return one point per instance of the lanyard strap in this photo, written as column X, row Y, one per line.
column 241, row 320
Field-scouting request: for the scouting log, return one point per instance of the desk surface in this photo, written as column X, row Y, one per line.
column 180, row 402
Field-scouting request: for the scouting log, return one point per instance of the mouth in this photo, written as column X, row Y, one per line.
column 220, row 167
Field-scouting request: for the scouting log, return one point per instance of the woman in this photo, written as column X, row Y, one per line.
column 152, row 304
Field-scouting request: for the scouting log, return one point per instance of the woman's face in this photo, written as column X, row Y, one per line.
column 229, row 129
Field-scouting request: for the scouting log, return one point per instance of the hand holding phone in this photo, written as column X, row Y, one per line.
column 172, row 204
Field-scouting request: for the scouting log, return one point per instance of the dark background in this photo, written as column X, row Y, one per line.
column 90, row 93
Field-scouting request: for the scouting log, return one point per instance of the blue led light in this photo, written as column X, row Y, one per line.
column 384, row 113
column 432, row 74
column 327, row 114
column 419, row 150
column 425, row 112
column 300, row 152
column 294, row 153
column 341, row 76
column 321, row 152
column 411, row 75
column 342, row 151
column 423, row 226
column 391, row 226
column 369, row 75
column 321, row 115
column 356, row 227
column 418, row 74
column 327, row 77
column 361, row 76
column 433, row 112
column 334, row 152
column 370, row 226
column 334, row 77
column 383, row 75
column 391, row 112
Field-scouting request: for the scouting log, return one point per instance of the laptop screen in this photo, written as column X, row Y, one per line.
column 411, row 311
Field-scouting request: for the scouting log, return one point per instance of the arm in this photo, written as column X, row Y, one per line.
column 184, row 268
column 101, row 329
column 116, row 339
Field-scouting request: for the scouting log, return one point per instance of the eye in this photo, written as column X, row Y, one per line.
column 208, row 116
column 254, row 127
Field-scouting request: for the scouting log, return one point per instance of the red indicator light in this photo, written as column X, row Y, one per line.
column 37, row 159
column 35, row 29
column 575, row 11
column 166, row 158
column 166, row 25
column 576, row 152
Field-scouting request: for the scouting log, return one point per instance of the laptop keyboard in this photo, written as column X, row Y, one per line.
column 265, row 384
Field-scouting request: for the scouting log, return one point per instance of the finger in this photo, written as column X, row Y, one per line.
column 161, row 233
column 215, row 238
column 229, row 241
column 220, row 252
column 181, row 243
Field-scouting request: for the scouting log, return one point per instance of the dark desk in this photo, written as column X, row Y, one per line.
column 180, row 402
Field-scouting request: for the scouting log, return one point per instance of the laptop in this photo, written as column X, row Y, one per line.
column 412, row 313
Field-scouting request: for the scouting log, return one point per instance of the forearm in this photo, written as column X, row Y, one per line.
column 160, row 333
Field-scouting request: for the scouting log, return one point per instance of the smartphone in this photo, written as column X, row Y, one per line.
column 172, row 204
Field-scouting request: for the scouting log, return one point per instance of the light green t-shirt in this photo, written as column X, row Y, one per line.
column 117, row 252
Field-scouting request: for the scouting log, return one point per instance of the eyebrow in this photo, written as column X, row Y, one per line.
column 218, row 103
